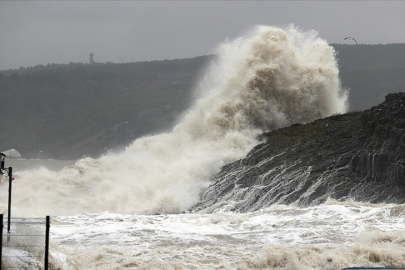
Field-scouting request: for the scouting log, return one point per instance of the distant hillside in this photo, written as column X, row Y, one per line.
column 371, row 72
column 67, row 111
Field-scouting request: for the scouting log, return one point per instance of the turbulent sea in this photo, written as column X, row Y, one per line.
column 129, row 210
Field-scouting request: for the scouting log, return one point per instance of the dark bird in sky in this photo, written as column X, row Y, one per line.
column 352, row 38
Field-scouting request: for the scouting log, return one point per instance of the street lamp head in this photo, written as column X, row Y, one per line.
column 2, row 156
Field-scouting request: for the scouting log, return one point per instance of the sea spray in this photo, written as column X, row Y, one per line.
column 268, row 79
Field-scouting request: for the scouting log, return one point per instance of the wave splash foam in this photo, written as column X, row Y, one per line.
column 268, row 79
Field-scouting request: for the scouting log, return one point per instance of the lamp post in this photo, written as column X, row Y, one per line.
column 10, row 185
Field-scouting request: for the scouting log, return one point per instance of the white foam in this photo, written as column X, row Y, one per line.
column 267, row 79
column 328, row 236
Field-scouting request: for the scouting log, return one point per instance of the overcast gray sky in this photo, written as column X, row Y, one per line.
column 42, row 32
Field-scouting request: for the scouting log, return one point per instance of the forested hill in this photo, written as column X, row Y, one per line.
column 67, row 111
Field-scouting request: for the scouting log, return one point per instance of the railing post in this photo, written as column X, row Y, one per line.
column 1, row 239
column 48, row 225
column 10, row 184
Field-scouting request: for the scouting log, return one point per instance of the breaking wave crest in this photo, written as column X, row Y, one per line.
column 268, row 79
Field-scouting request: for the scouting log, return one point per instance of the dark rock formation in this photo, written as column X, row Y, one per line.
column 359, row 156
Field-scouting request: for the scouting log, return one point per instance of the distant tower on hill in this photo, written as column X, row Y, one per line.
column 91, row 59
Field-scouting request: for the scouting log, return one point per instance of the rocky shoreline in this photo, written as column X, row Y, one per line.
column 355, row 156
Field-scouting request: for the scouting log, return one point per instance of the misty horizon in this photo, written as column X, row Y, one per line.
column 153, row 60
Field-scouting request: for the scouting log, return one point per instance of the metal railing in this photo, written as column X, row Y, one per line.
column 26, row 245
